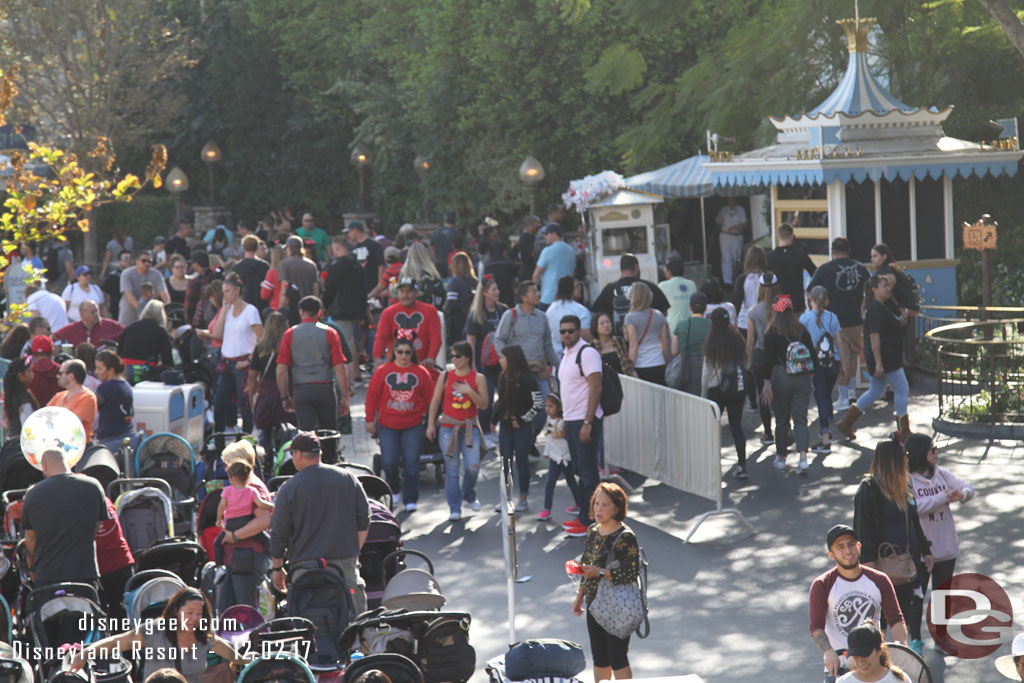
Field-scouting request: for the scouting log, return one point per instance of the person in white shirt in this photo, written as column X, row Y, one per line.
column 563, row 305
column 46, row 304
column 240, row 327
column 76, row 293
column 732, row 221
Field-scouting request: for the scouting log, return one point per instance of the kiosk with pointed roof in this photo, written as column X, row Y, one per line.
column 864, row 165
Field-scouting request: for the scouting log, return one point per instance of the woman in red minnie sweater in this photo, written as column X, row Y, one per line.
column 396, row 404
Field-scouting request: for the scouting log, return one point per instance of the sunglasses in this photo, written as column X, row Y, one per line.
column 458, row 355
column 144, row 261
column 403, row 352
column 568, row 331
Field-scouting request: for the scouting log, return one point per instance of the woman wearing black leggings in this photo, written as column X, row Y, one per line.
column 724, row 380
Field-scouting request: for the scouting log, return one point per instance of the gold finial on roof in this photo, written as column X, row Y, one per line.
column 857, row 32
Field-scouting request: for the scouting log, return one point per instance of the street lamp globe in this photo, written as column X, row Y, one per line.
column 360, row 157
column 531, row 172
column 177, row 181
column 211, row 153
column 420, row 164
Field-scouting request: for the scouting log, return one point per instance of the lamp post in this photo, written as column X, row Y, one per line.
column 177, row 182
column 422, row 168
column 531, row 173
column 361, row 159
column 211, row 155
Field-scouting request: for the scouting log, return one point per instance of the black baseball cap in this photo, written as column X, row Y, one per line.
column 839, row 530
column 863, row 640
column 307, row 442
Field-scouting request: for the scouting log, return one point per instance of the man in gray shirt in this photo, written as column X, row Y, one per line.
column 131, row 281
column 321, row 516
column 299, row 271
column 527, row 326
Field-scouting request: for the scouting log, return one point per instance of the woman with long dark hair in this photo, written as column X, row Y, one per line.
column 724, row 380
column 396, row 407
column 519, row 401
column 758, row 319
column 904, row 297
column 823, row 326
column 180, row 639
column 19, row 402
column 745, row 290
column 883, row 354
column 267, row 409
column 885, row 514
column 787, row 383
column 484, row 316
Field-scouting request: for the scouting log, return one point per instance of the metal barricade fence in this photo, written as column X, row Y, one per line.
column 670, row 436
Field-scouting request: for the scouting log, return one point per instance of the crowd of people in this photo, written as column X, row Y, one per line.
column 480, row 343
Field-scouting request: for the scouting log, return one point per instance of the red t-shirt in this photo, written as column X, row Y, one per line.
column 419, row 322
column 112, row 551
column 400, row 396
column 390, row 277
column 455, row 405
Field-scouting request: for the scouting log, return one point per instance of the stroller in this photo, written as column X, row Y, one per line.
column 15, row 471
column 383, row 538
column 144, row 510
column 374, row 486
column 437, row 643
column 237, row 622
column 412, row 589
column 13, row 669
column 322, row 597
column 99, row 463
column 180, row 556
column 277, row 668
column 63, row 614
column 147, row 593
column 170, row 457
column 398, row 668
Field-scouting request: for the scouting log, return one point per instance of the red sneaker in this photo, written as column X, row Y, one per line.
column 576, row 530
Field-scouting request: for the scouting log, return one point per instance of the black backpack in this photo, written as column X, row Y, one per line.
column 731, row 384
column 322, row 596
column 620, row 306
column 611, row 387
column 825, row 351
column 444, row 651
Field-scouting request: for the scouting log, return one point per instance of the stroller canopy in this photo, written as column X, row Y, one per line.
column 149, row 595
column 413, row 589
column 146, row 517
column 100, row 464
column 279, row 668
column 169, row 457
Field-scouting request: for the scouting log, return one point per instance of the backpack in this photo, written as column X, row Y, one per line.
column 798, row 359
column 731, row 384
column 620, row 306
column 489, row 356
column 611, row 387
column 444, row 652
column 825, row 350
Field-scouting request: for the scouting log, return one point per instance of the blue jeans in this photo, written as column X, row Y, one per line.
column 824, row 381
column 231, row 392
column 541, row 418
column 584, row 458
column 554, row 470
column 242, row 589
column 486, row 413
column 517, row 442
column 402, row 446
column 470, row 467
column 900, row 389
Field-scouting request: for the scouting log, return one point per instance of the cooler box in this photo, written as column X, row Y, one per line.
column 177, row 409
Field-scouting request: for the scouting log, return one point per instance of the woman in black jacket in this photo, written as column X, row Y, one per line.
column 886, row 521
column 519, row 401
column 788, row 374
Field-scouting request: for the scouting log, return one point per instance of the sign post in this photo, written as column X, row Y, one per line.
column 981, row 235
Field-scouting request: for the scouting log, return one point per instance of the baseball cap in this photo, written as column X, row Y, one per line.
column 82, row 270
column 307, row 442
column 839, row 530
column 407, row 282
column 159, row 239
column 294, row 242
column 42, row 344
column 356, row 225
column 863, row 640
column 698, row 299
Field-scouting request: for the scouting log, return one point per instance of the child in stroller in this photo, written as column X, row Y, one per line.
column 238, row 504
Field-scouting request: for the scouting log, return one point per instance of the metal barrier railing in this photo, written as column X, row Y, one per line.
column 980, row 367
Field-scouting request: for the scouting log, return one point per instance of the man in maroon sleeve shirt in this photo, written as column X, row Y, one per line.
column 846, row 596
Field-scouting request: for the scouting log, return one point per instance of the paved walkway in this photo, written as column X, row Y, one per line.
column 730, row 606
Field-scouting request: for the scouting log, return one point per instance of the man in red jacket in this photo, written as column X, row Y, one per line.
column 409, row 319
column 44, row 370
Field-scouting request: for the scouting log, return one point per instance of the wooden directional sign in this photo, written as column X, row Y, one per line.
column 980, row 235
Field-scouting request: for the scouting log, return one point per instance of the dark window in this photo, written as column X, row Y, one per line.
column 860, row 219
column 896, row 217
column 931, row 219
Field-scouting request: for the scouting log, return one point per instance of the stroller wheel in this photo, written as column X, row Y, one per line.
column 376, row 464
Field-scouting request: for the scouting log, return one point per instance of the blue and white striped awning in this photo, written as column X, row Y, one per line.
column 686, row 178
column 859, row 92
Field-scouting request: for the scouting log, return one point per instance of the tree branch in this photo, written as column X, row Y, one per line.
column 1007, row 20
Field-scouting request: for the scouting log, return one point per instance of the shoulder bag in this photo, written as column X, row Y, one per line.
column 620, row 609
column 898, row 563
column 677, row 372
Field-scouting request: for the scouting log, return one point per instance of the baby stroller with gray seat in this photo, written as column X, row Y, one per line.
column 63, row 614
column 144, row 509
column 147, row 593
column 171, row 458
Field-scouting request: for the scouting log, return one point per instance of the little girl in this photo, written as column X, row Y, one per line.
column 238, row 503
column 556, row 451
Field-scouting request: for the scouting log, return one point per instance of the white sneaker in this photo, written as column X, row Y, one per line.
column 454, row 517
column 521, row 505
column 474, row 506
column 802, row 466
column 491, row 441
column 840, row 406
column 396, row 499
column 410, row 507
column 780, row 462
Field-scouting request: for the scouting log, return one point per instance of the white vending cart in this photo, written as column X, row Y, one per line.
column 623, row 223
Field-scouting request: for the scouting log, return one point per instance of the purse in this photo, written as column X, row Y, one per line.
column 220, row 673
column 619, row 609
column 898, row 566
column 677, row 372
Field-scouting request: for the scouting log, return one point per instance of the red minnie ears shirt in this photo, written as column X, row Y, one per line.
column 418, row 322
column 399, row 396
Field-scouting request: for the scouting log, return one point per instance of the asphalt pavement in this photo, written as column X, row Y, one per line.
column 730, row 606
